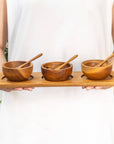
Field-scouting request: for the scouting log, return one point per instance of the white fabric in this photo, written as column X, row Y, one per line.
column 59, row 29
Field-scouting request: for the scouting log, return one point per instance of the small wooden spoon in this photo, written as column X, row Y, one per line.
column 101, row 63
column 61, row 66
column 39, row 55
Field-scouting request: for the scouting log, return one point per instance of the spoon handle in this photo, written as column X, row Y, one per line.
column 21, row 66
column 101, row 63
column 61, row 66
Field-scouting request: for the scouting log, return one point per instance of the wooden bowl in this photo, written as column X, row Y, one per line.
column 14, row 74
column 56, row 75
column 96, row 73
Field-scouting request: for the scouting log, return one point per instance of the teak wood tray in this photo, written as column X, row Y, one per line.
column 38, row 81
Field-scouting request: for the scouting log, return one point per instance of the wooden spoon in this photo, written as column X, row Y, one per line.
column 21, row 66
column 101, row 63
column 61, row 66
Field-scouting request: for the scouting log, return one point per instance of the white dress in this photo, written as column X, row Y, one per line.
column 63, row 115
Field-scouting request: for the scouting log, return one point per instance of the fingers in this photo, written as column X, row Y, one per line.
column 95, row 87
column 20, row 89
column 16, row 89
column 90, row 87
column 6, row 89
column 83, row 87
column 102, row 87
column 98, row 87
column 29, row 89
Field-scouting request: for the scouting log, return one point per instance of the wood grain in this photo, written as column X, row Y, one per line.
column 71, row 59
column 23, row 65
column 93, row 72
column 37, row 81
column 13, row 73
column 49, row 72
column 101, row 63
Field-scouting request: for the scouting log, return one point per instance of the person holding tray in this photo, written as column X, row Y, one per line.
column 58, row 29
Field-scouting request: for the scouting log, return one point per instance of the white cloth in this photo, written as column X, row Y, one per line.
column 59, row 29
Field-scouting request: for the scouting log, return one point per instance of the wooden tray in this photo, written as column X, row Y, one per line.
column 37, row 81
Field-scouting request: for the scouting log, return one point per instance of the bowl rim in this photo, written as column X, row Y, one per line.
column 42, row 66
column 3, row 65
column 110, row 63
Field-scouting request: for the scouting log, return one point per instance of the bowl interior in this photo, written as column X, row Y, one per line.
column 14, row 64
column 53, row 65
column 92, row 63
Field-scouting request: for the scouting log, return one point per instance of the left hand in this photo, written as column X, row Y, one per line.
column 96, row 87
column 16, row 89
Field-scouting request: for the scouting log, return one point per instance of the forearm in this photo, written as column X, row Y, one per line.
column 113, row 33
column 2, row 59
column 3, row 31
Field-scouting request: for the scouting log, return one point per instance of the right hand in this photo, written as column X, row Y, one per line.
column 95, row 87
column 16, row 89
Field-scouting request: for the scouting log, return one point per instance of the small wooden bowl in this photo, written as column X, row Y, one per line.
column 14, row 74
column 56, row 75
column 96, row 73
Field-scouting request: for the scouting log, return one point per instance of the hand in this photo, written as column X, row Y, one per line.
column 96, row 87
column 15, row 89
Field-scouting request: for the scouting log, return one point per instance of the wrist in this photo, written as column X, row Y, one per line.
column 2, row 58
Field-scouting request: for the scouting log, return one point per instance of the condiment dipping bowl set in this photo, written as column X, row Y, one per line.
column 14, row 72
